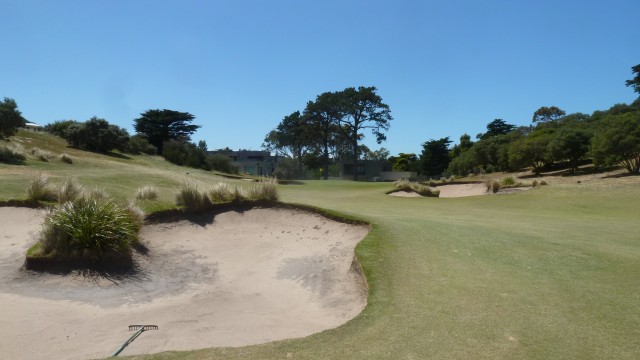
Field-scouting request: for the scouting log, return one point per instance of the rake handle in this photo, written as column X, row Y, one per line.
column 133, row 337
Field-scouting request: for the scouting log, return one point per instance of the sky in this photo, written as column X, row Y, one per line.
column 445, row 68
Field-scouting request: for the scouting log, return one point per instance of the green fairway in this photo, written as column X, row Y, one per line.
column 551, row 273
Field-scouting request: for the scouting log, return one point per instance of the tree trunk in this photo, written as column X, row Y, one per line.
column 326, row 160
column 355, row 157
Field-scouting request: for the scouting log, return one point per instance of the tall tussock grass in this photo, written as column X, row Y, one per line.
column 40, row 190
column 12, row 154
column 266, row 190
column 41, row 155
column 192, row 198
column 424, row 190
column 90, row 229
column 70, row 190
column 147, row 193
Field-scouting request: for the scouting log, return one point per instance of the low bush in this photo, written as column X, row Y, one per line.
column 508, row 181
column 221, row 192
column 191, row 198
column 70, row 190
column 39, row 189
column 66, row 159
column 495, row 186
column 147, row 193
column 11, row 154
column 89, row 229
column 534, row 183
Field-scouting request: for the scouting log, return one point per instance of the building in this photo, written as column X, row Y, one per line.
column 33, row 127
column 256, row 163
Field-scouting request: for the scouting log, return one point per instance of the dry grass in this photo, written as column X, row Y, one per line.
column 147, row 193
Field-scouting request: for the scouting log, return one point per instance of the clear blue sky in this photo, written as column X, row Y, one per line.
column 443, row 67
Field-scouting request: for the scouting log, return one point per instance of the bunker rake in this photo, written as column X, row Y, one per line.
column 139, row 329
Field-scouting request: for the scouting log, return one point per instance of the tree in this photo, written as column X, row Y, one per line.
column 497, row 127
column 10, row 118
column 617, row 141
column 570, row 144
column 635, row 82
column 531, row 151
column 290, row 138
column 321, row 118
column 380, row 154
column 546, row 114
column 362, row 109
column 160, row 126
column 96, row 135
column 435, row 156
column 405, row 162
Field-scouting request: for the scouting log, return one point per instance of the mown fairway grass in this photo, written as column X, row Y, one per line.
column 552, row 273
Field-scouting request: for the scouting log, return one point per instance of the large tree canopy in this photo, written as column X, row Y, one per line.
column 497, row 127
column 545, row 114
column 321, row 118
column 363, row 109
column 160, row 126
column 617, row 140
column 10, row 118
column 635, row 82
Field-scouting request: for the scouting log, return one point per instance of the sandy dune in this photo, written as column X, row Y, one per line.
column 230, row 280
column 460, row 190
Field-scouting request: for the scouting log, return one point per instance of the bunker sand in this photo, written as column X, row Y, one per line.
column 233, row 279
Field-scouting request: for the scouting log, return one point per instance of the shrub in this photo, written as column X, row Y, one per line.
column 66, row 159
column 543, row 182
column 11, row 154
column 41, row 155
column 138, row 144
column 534, row 183
column 90, row 229
column 70, row 190
column 495, row 186
column 147, row 193
column 220, row 163
column 508, row 181
column 191, row 198
column 39, row 189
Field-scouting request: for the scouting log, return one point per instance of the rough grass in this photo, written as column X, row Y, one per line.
column 11, row 154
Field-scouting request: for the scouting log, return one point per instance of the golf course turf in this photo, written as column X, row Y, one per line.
column 550, row 273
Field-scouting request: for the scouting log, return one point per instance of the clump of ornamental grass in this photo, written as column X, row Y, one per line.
column 191, row 198
column 221, row 192
column 534, row 183
column 41, row 155
column 12, row 154
column 263, row 190
column 90, row 230
column 66, row 159
column 70, row 190
column 147, row 193
column 424, row 190
column 493, row 186
column 39, row 189
column 98, row 193
column 543, row 182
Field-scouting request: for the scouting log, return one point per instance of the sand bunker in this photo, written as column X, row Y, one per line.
column 461, row 190
column 233, row 279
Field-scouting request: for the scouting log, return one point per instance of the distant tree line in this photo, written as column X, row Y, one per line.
column 553, row 139
column 158, row 132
